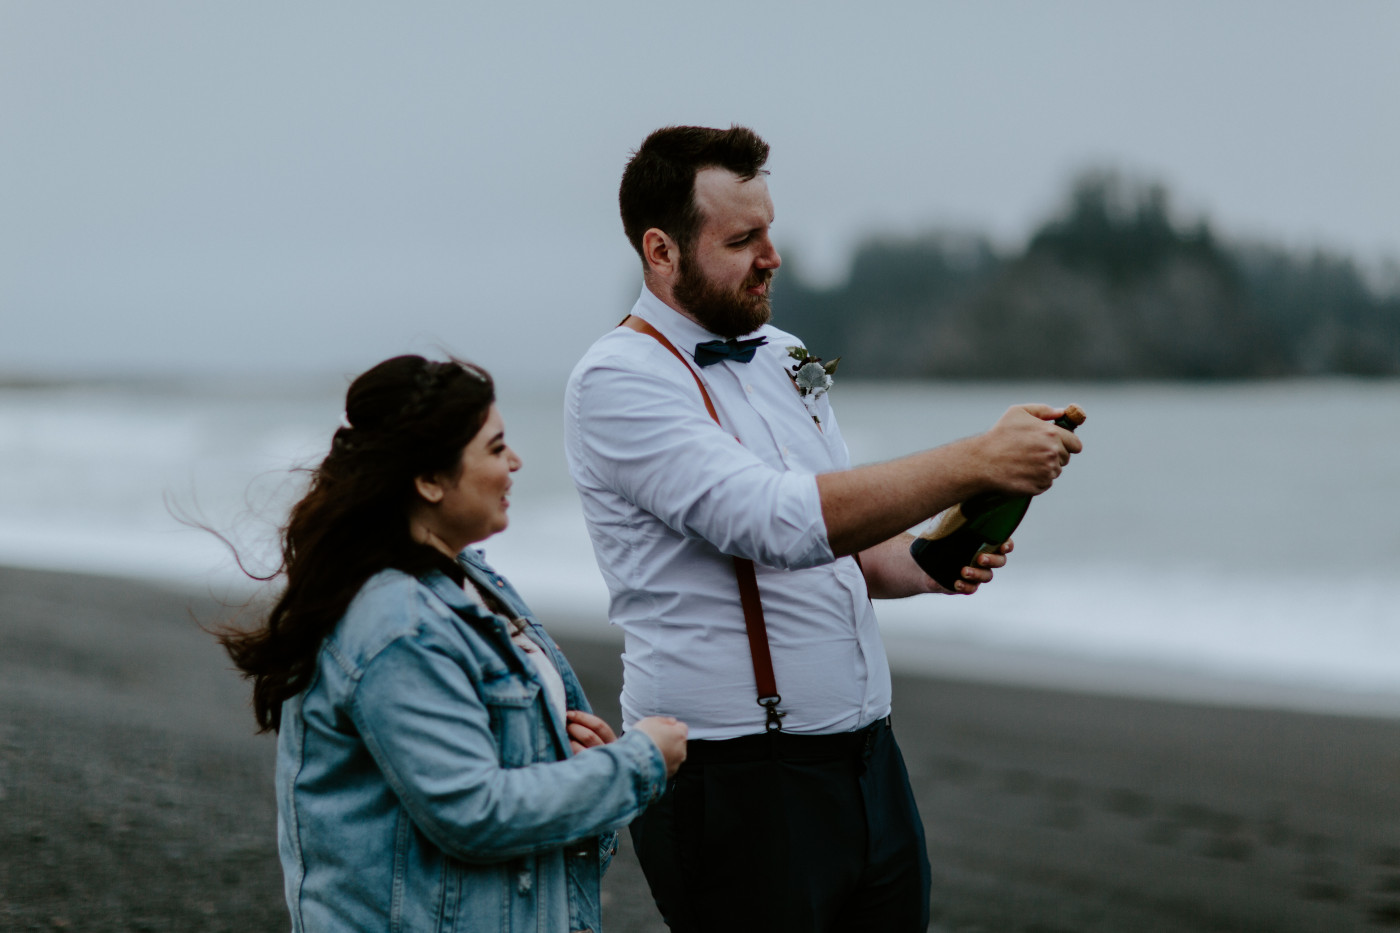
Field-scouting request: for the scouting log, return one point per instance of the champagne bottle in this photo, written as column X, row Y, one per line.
column 978, row 526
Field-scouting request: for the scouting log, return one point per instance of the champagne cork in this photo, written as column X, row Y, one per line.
column 1074, row 415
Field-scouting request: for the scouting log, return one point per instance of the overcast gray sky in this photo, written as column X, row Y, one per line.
column 282, row 186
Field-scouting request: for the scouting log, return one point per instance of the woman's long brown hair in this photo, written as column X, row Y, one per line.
column 408, row 417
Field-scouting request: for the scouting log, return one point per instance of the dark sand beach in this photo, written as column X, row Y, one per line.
column 134, row 796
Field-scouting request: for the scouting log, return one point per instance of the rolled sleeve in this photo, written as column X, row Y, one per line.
column 648, row 438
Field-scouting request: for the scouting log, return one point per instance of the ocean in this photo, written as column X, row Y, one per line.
column 1236, row 542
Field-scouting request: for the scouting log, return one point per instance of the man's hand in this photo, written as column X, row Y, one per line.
column 1025, row 450
column 891, row 573
column 1021, row 454
column 979, row 573
column 587, row 731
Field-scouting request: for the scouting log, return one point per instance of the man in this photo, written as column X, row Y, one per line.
column 793, row 810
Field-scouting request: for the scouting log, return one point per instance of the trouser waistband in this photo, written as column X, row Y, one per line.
column 786, row 745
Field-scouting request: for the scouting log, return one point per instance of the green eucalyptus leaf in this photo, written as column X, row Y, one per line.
column 797, row 353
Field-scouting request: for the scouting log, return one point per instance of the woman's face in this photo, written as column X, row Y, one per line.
column 473, row 506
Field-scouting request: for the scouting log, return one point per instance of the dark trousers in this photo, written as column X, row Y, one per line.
column 788, row 832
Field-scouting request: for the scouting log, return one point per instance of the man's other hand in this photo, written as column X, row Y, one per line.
column 1025, row 450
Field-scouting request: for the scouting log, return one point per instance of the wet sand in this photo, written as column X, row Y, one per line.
column 134, row 796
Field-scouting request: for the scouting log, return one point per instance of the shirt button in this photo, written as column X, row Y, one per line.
column 748, row 388
column 785, row 450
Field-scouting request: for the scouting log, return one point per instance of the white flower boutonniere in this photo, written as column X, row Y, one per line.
column 812, row 377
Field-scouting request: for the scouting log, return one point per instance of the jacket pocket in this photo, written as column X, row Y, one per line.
column 486, row 899
column 583, row 875
column 509, row 700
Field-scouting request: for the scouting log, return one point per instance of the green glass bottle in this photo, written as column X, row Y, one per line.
column 978, row 526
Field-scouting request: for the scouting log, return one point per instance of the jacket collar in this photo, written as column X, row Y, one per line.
column 447, row 590
column 490, row 625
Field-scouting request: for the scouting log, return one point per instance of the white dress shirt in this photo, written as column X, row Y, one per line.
column 667, row 494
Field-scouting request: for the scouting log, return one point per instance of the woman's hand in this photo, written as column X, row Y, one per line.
column 669, row 734
column 587, row 731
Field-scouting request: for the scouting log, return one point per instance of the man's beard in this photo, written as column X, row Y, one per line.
column 729, row 314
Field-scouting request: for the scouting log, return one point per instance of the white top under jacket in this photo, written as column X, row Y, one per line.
column 544, row 665
column 667, row 494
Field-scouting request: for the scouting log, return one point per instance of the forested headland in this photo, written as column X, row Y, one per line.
column 1111, row 288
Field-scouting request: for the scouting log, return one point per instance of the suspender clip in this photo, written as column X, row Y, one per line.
column 774, row 722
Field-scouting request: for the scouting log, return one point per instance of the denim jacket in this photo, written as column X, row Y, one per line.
column 424, row 783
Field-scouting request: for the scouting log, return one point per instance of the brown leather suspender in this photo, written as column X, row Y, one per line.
column 768, row 696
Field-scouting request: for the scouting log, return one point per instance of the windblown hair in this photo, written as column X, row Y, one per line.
column 408, row 417
column 658, row 185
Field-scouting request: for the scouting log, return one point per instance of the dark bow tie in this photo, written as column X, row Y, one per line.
column 740, row 351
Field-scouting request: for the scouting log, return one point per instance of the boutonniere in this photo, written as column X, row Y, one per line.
column 812, row 377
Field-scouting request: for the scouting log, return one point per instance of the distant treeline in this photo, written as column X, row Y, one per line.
column 1112, row 288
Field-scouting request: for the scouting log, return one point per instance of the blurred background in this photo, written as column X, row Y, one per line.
column 1181, row 216
column 279, row 188
column 1184, row 215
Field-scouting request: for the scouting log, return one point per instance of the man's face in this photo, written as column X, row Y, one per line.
column 725, row 277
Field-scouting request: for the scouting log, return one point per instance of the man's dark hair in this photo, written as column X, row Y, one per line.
column 658, row 185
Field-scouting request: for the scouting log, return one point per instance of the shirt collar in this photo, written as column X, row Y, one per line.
column 676, row 327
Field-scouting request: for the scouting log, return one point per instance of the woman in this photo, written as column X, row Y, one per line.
column 437, row 764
